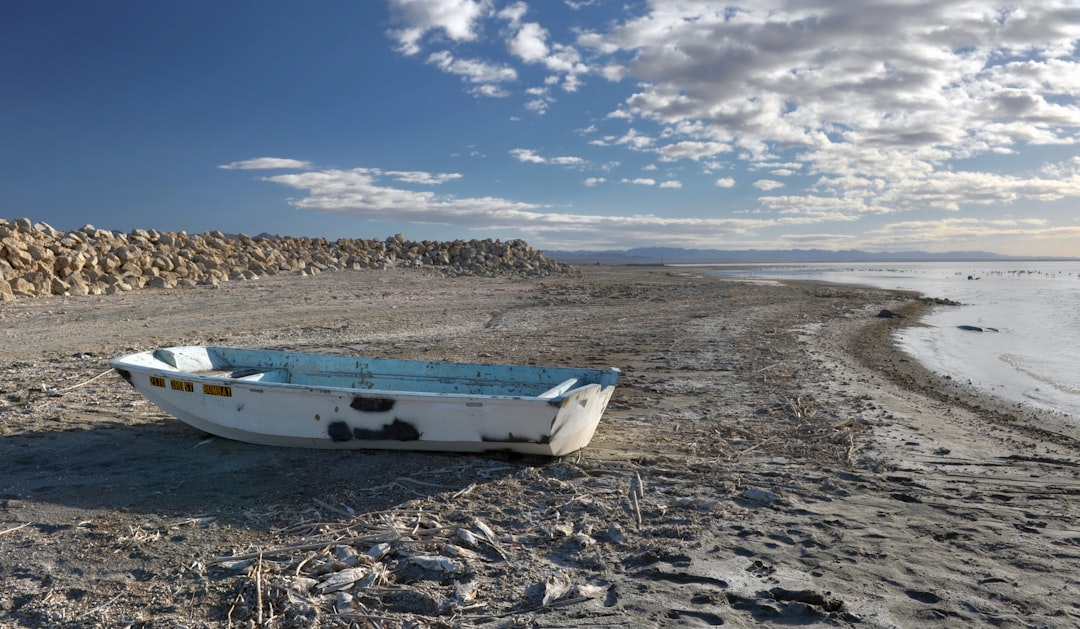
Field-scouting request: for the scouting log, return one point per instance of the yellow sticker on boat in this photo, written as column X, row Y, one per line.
column 217, row 389
column 157, row 381
column 180, row 385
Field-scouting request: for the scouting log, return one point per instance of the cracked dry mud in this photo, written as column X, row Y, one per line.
column 767, row 458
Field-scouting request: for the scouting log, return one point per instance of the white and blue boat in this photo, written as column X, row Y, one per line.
column 327, row 401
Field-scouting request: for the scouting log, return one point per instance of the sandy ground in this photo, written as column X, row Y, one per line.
column 768, row 458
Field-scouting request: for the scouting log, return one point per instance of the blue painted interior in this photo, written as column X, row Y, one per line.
column 324, row 370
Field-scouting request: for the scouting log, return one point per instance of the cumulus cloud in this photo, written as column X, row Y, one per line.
column 456, row 19
column 530, row 43
column 853, row 92
column 693, row 150
column 527, row 156
column 266, row 163
column 634, row 139
column 420, row 23
column 884, row 107
column 531, row 157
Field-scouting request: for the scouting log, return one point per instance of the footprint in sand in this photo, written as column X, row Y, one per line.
column 923, row 597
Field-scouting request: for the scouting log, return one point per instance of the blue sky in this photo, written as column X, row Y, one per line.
column 576, row 124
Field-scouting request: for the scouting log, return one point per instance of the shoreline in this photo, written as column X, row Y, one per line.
column 769, row 455
column 1035, row 350
column 906, row 371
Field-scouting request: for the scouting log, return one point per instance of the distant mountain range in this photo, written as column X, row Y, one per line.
column 674, row 255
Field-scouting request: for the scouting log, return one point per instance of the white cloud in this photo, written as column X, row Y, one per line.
column 266, row 163
column 457, row 19
column 614, row 72
column 531, row 157
column 365, row 193
column 391, row 195
column 965, row 233
column 671, row 183
column 530, row 43
column 885, row 107
column 539, row 105
column 420, row 177
column 462, row 22
column 472, row 70
column 1061, row 170
column 691, row 150
column 635, row 140
column 513, row 12
column 854, row 91
column 527, row 155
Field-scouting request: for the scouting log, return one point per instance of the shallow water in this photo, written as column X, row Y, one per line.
column 1029, row 349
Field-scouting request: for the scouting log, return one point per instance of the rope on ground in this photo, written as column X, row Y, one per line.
column 82, row 384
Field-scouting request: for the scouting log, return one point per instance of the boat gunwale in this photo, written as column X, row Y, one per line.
column 161, row 368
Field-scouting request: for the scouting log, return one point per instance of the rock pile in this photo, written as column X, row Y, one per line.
column 38, row 260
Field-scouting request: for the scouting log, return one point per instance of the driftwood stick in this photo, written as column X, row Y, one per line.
column 464, row 492
column 101, row 607
column 750, row 449
column 258, row 592
column 14, row 528
column 851, row 447
column 562, row 602
column 424, row 483
column 637, row 508
column 280, row 550
column 337, row 510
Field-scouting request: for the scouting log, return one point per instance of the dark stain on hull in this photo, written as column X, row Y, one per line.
column 396, row 431
column 339, row 431
column 372, row 404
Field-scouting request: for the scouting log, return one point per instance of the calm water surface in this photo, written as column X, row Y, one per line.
column 1029, row 349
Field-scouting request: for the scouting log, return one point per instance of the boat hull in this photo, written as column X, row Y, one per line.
column 338, row 402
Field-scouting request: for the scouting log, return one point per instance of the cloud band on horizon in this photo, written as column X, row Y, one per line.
column 382, row 195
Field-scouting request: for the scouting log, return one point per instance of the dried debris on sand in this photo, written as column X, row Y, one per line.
column 749, row 470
